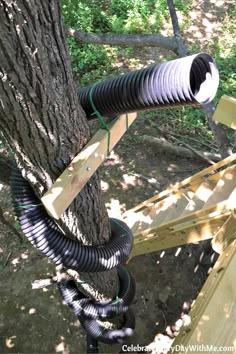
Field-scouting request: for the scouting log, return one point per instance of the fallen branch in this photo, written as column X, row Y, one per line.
column 202, row 155
column 179, row 150
column 125, row 40
column 167, row 132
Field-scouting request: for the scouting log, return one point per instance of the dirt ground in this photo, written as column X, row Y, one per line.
column 36, row 321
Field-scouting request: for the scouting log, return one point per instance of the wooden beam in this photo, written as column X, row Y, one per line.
column 83, row 166
column 165, row 239
column 225, row 235
column 226, row 111
column 214, row 312
column 197, row 178
column 194, row 227
column 211, row 212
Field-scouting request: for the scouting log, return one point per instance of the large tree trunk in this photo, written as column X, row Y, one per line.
column 40, row 116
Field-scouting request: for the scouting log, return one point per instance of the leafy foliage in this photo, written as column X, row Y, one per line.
column 96, row 62
column 137, row 16
column 117, row 16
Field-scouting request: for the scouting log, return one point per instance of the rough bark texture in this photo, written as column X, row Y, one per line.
column 219, row 134
column 125, row 40
column 5, row 169
column 40, row 116
column 181, row 48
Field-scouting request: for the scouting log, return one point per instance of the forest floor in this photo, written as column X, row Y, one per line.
column 36, row 321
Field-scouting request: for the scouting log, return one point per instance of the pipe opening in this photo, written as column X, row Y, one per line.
column 204, row 78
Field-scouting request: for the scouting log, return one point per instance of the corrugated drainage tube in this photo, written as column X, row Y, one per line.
column 47, row 237
column 192, row 80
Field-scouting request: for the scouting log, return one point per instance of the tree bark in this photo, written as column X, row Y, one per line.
column 182, row 50
column 220, row 136
column 5, row 169
column 41, row 119
column 126, row 40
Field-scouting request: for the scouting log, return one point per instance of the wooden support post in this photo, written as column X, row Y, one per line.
column 226, row 111
column 83, row 166
column 214, row 312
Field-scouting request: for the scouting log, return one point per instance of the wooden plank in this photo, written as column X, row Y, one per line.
column 166, row 209
column 232, row 201
column 197, row 178
column 215, row 215
column 174, row 210
column 202, row 194
column 165, row 239
column 211, row 212
column 214, row 312
column 223, row 188
column 225, row 235
column 83, row 166
column 226, row 111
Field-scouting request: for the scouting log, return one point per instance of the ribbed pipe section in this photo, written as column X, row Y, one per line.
column 192, row 80
column 100, row 310
column 47, row 237
column 89, row 311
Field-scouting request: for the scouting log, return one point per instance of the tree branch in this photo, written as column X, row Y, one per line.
column 126, row 40
column 182, row 50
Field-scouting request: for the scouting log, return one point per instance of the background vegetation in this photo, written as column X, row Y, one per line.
column 93, row 63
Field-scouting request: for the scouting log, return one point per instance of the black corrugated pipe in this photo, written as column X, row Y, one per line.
column 192, row 80
column 47, row 237
column 44, row 234
column 88, row 311
column 87, row 307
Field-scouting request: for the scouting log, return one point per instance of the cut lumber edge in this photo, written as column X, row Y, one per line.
column 225, row 112
column 67, row 186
